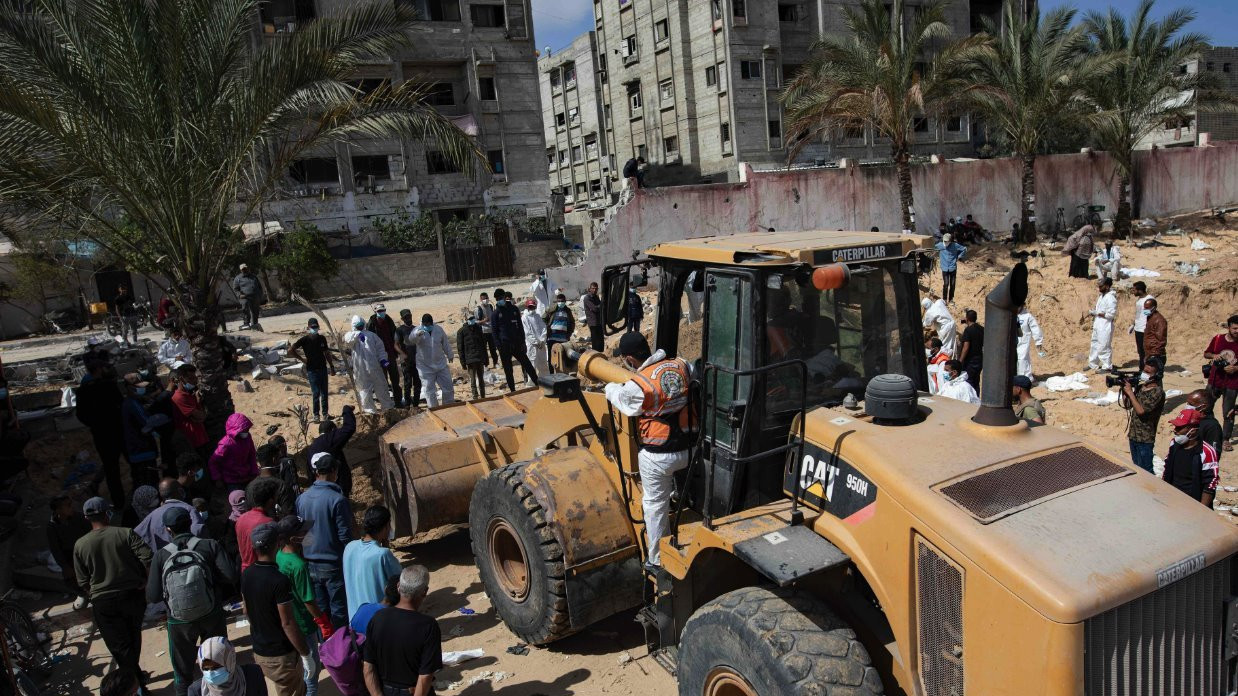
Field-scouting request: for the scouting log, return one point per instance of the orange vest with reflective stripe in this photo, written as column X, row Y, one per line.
column 666, row 423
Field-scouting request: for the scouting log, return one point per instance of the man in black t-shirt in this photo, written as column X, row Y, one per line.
column 279, row 646
column 407, row 351
column 971, row 352
column 403, row 647
column 317, row 359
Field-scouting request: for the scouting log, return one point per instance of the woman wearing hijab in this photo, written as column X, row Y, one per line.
column 222, row 676
column 145, row 500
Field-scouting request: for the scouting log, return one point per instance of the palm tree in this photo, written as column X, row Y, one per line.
column 1147, row 87
column 152, row 125
column 1028, row 86
column 882, row 77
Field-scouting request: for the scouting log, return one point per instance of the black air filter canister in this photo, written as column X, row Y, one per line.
column 891, row 398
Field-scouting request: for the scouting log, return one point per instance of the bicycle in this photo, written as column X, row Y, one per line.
column 25, row 653
column 1089, row 214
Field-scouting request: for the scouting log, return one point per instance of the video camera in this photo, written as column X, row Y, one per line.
column 1118, row 378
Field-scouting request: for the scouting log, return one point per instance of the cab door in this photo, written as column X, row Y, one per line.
column 729, row 351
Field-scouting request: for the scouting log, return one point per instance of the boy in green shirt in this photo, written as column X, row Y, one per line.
column 310, row 619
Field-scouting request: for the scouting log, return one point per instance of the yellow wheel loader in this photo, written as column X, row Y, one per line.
column 837, row 529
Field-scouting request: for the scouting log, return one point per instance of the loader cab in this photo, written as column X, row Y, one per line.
column 773, row 341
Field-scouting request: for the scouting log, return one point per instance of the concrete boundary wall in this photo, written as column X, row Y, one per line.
column 1170, row 181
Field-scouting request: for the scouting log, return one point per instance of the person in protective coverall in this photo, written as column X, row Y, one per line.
column 433, row 357
column 937, row 316
column 1100, row 357
column 369, row 366
column 535, row 337
column 1029, row 333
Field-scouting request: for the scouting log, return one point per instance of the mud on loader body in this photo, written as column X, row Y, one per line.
column 906, row 545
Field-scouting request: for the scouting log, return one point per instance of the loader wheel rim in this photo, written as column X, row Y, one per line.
column 509, row 560
column 724, row 681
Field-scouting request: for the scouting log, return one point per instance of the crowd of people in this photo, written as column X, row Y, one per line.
column 1203, row 428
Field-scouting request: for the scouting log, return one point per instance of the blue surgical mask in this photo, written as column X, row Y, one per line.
column 1147, row 312
column 140, row 391
column 381, row 315
column 562, row 305
column 199, row 474
column 189, row 387
column 472, row 321
column 216, row 677
column 314, row 331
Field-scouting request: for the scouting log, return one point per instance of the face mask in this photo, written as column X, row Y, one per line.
column 358, row 327
column 1181, row 439
column 427, row 324
column 928, row 352
column 485, row 303
column 216, row 677
column 1144, row 377
column 314, row 331
column 1147, row 312
column 243, row 436
column 199, row 474
column 472, row 321
column 189, row 387
column 382, row 315
column 561, row 304
column 140, row 391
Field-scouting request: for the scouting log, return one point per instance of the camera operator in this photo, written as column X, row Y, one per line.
column 1191, row 465
column 1145, row 400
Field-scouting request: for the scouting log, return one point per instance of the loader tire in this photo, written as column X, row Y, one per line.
column 518, row 557
column 758, row 641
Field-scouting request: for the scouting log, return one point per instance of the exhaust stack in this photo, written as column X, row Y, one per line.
column 1000, row 328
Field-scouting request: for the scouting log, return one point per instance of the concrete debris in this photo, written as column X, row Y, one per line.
column 625, row 657
column 247, row 387
column 1199, row 245
column 294, row 370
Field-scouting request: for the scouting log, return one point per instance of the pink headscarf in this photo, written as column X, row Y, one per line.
column 236, row 499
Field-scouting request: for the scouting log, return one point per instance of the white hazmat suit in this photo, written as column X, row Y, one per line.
column 960, row 389
column 368, row 366
column 1101, row 354
column 1029, row 333
column 937, row 315
column 540, row 292
column 535, row 340
column 433, row 357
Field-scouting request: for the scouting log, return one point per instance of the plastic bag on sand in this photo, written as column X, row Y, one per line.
column 1100, row 399
column 1073, row 382
column 455, row 657
column 1199, row 245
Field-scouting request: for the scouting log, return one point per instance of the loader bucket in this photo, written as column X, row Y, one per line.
column 432, row 460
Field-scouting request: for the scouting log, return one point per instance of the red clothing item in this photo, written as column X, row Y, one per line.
column 1226, row 350
column 185, row 404
column 245, row 525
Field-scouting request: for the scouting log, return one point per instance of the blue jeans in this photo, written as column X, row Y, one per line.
column 311, row 679
column 328, row 582
column 1141, row 455
column 318, row 389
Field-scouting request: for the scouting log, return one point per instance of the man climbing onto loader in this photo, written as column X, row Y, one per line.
column 659, row 396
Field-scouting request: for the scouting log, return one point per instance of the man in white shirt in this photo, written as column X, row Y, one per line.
column 1100, row 357
column 937, row 316
column 174, row 349
column 1140, row 290
column 1029, row 333
column 658, row 395
column 956, row 385
column 433, row 357
column 541, row 292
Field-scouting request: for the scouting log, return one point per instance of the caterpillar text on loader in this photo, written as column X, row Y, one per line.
column 904, row 544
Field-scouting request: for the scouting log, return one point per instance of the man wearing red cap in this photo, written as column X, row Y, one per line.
column 1191, row 465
